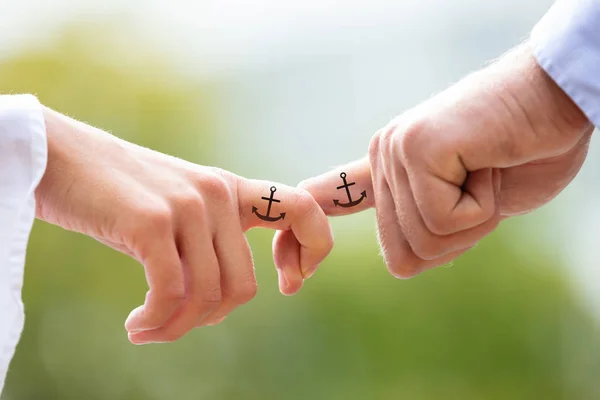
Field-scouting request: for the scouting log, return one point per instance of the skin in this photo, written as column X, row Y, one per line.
column 502, row 142
column 183, row 222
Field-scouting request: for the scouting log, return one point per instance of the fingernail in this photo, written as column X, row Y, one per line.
column 136, row 328
column 284, row 284
column 133, row 340
column 308, row 272
column 216, row 322
column 282, row 278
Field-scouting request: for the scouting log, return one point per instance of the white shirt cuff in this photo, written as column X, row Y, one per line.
column 23, row 155
column 566, row 43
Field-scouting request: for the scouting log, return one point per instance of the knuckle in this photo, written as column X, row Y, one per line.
column 209, row 301
column 438, row 223
column 386, row 138
column 305, row 204
column 401, row 265
column 172, row 293
column 374, row 146
column 208, row 305
column 429, row 248
column 411, row 136
column 487, row 211
column 217, row 187
column 328, row 242
column 245, row 293
column 191, row 203
column 489, row 226
column 153, row 218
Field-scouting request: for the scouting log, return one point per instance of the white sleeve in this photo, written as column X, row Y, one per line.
column 566, row 43
column 23, row 155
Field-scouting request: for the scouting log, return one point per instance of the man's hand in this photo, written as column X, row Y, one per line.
column 502, row 142
column 185, row 223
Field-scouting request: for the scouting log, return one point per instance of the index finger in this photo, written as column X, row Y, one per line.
column 344, row 190
column 280, row 207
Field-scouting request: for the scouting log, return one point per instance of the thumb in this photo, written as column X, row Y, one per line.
column 344, row 190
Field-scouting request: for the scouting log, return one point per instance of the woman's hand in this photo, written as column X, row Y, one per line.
column 185, row 223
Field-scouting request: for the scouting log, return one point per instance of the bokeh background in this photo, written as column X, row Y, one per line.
column 283, row 90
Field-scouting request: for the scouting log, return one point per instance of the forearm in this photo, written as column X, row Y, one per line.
column 71, row 144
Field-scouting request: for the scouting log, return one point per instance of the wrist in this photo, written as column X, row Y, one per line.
column 534, row 96
column 72, row 145
column 56, row 130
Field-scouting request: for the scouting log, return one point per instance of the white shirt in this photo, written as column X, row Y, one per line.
column 23, row 153
column 566, row 43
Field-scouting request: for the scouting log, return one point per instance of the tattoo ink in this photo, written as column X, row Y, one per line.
column 346, row 185
column 271, row 200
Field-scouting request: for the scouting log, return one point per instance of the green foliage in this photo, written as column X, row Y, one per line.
column 135, row 96
column 499, row 324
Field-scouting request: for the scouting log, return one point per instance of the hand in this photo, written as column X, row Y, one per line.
column 185, row 223
column 502, row 142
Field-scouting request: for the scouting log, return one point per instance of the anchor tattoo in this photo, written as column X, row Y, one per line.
column 346, row 185
column 271, row 200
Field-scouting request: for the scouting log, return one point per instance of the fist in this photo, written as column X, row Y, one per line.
column 502, row 142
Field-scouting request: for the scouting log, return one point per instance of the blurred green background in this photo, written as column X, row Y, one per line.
column 503, row 322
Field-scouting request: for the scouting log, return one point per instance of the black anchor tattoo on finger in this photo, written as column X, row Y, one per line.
column 346, row 185
column 271, row 200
